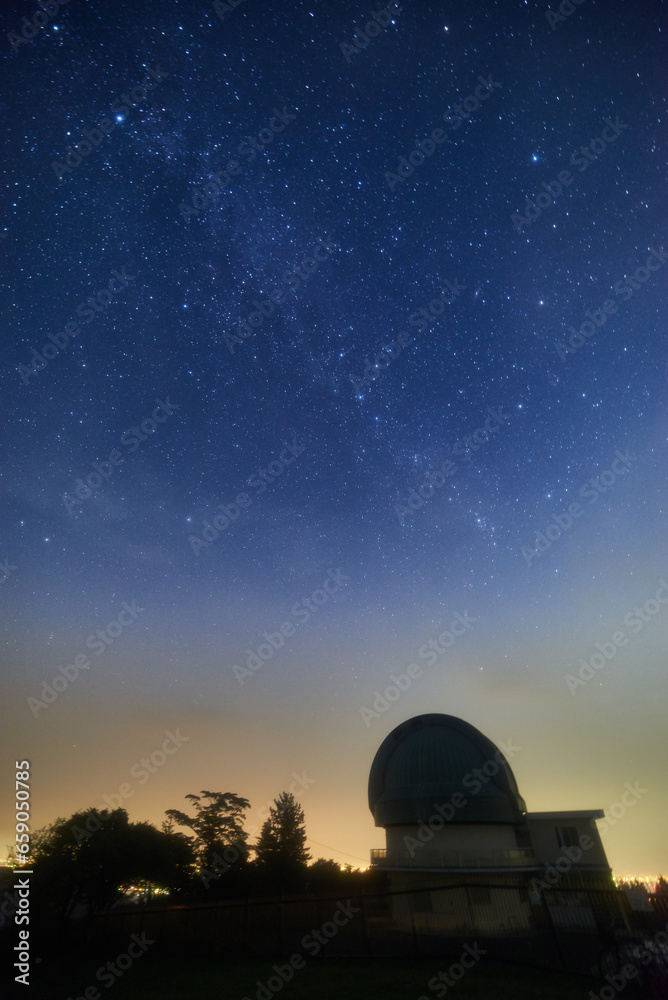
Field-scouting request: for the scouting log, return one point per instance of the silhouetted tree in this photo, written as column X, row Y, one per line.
column 217, row 825
column 281, row 852
column 634, row 883
column 84, row 859
column 325, row 875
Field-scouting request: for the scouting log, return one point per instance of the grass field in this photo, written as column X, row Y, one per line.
column 354, row 979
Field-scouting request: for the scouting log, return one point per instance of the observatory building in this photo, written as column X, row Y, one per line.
column 449, row 803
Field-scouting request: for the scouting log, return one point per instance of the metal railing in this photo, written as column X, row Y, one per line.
column 433, row 858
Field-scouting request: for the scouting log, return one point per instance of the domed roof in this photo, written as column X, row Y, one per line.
column 427, row 760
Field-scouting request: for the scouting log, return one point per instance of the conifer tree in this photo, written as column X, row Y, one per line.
column 281, row 847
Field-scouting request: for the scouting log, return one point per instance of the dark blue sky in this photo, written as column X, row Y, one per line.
column 391, row 319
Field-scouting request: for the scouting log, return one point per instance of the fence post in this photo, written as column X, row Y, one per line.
column 469, row 902
column 550, row 924
column 365, row 923
column 413, row 928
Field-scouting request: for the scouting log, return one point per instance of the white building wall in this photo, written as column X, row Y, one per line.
column 456, row 845
column 543, row 832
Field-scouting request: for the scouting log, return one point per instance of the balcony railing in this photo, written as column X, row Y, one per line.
column 433, row 858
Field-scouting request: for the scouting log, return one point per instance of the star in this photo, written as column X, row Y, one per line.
column 335, row 292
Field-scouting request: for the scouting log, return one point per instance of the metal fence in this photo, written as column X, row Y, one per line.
column 558, row 928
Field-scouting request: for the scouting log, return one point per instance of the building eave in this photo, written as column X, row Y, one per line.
column 569, row 814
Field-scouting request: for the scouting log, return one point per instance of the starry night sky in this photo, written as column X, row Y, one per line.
column 375, row 400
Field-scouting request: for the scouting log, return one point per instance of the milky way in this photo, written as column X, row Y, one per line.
column 306, row 289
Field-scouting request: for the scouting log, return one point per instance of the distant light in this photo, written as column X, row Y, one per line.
column 446, row 28
column 120, row 118
column 534, row 158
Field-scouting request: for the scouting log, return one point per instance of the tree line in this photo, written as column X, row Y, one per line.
column 88, row 861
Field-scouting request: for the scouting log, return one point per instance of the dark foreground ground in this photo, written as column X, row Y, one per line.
column 354, row 979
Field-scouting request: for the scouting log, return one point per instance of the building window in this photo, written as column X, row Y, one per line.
column 567, row 836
